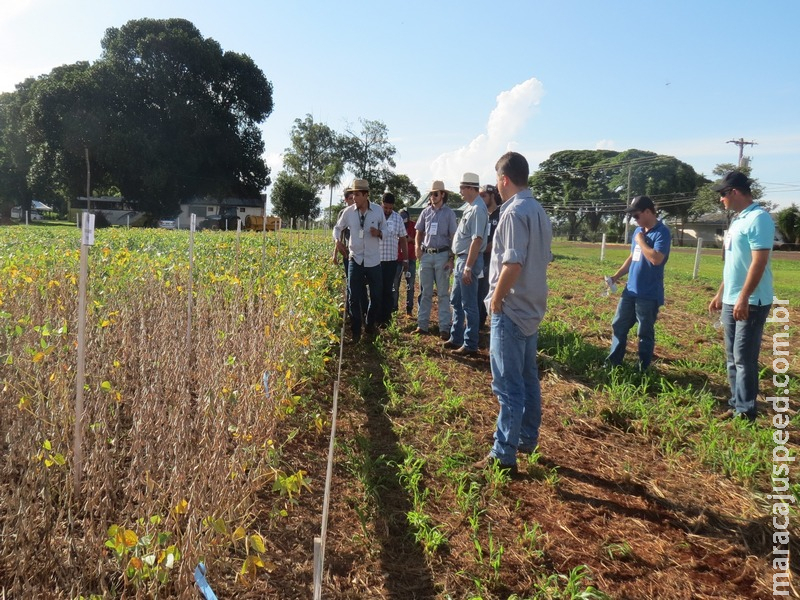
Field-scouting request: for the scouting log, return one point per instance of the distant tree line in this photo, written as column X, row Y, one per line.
column 586, row 191
column 163, row 116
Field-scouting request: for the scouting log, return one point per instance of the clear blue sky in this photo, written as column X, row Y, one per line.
column 459, row 83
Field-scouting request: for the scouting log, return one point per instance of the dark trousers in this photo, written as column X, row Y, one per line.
column 358, row 277
column 388, row 273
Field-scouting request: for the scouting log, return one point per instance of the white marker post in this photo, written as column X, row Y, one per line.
column 87, row 239
column 192, row 227
column 603, row 249
column 697, row 258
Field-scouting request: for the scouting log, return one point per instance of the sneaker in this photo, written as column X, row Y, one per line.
column 449, row 345
column 464, row 351
column 490, row 460
column 731, row 414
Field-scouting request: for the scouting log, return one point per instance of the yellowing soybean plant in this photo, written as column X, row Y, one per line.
column 179, row 431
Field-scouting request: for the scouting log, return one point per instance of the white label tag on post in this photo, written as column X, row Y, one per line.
column 87, row 237
column 192, row 222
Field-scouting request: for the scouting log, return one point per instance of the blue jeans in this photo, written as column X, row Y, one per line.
column 464, row 300
column 483, row 289
column 630, row 310
column 742, row 346
column 432, row 270
column 358, row 276
column 515, row 382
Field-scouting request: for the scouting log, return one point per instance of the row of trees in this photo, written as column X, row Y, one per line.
column 163, row 116
column 586, row 191
column 319, row 158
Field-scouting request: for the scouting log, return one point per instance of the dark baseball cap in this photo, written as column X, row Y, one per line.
column 641, row 203
column 733, row 179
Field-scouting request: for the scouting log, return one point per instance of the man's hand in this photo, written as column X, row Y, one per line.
column 741, row 310
column 448, row 266
column 375, row 232
column 466, row 276
column 496, row 305
column 716, row 304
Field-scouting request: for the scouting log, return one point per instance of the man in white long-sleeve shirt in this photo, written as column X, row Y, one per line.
column 366, row 223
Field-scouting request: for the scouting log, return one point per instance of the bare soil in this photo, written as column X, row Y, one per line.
column 689, row 533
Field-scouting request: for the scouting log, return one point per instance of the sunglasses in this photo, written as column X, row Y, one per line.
column 435, row 194
column 725, row 192
column 636, row 216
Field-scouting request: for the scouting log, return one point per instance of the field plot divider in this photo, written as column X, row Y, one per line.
column 87, row 239
column 189, row 300
column 319, row 541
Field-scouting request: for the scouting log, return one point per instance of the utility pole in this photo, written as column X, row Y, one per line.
column 741, row 143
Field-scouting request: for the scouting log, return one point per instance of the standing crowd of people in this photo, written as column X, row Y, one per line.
column 496, row 257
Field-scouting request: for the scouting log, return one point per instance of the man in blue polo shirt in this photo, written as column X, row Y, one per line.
column 745, row 296
column 644, row 290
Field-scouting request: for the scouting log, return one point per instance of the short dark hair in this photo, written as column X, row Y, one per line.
column 388, row 198
column 514, row 166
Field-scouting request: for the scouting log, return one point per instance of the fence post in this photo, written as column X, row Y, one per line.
column 603, row 249
column 697, row 257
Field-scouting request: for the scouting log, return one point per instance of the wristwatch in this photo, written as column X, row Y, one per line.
column 468, row 268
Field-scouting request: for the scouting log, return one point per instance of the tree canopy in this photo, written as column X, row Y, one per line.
column 164, row 115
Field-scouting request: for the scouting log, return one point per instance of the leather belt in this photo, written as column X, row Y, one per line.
column 436, row 250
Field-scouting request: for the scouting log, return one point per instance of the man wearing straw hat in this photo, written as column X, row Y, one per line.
column 468, row 246
column 366, row 223
column 435, row 230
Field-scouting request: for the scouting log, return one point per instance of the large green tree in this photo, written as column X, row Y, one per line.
column 563, row 183
column 368, row 153
column 293, row 199
column 314, row 147
column 164, row 115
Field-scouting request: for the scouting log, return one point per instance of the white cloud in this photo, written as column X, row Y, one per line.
column 513, row 110
column 604, row 145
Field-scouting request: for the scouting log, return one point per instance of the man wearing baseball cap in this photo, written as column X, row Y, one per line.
column 745, row 295
column 644, row 290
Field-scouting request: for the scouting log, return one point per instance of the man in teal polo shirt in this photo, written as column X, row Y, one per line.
column 745, row 296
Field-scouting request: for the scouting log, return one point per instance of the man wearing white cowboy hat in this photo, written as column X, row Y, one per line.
column 468, row 246
column 435, row 230
column 366, row 223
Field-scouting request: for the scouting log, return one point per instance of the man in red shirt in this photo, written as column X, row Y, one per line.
column 410, row 270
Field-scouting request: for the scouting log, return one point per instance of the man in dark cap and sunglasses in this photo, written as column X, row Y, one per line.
column 745, row 296
column 644, row 290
